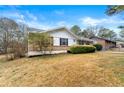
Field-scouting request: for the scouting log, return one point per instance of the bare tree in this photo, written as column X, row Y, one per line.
column 107, row 33
column 90, row 31
column 12, row 39
column 7, row 26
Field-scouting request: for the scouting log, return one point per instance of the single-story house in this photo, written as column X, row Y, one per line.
column 63, row 38
column 106, row 43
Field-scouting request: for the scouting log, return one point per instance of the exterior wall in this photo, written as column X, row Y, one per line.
column 53, row 48
column 62, row 34
column 106, row 44
column 102, row 42
column 56, row 35
column 58, row 48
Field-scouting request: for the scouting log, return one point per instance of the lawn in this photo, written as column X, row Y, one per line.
column 94, row 69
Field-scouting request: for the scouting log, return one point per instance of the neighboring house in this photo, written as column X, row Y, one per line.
column 63, row 38
column 107, row 44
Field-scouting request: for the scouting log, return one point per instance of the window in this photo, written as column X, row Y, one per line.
column 63, row 41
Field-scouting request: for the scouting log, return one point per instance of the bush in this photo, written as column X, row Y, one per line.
column 98, row 47
column 82, row 49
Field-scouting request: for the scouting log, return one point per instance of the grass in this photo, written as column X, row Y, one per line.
column 117, row 66
column 94, row 69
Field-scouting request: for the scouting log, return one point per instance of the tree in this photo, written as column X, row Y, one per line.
column 107, row 33
column 121, row 27
column 19, row 44
column 75, row 29
column 90, row 31
column 122, row 31
column 112, row 35
column 11, row 39
column 7, row 26
column 114, row 9
column 40, row 41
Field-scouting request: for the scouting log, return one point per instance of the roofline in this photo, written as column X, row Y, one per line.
column 77, row 37
column 104, row 39
column 56, row 28
column 83, row 38
column 50, row 30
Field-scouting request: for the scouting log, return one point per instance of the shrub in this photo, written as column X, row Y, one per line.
column 82, row 49
column 98, row 47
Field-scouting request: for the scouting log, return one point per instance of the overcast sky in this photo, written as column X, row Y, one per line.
column 46, row 17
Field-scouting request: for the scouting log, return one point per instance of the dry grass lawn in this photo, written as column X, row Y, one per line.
column 95, row 69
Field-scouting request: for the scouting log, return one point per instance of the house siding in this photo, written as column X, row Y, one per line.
column 106, row 44
column 62, row 34
column 102, row 42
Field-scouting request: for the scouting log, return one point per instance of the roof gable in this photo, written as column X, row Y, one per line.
column 65, row 29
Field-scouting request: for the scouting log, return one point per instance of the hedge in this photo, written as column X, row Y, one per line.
column 77, row 49
column 98, row 47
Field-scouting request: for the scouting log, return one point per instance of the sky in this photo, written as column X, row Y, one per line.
column 52, row 16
